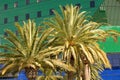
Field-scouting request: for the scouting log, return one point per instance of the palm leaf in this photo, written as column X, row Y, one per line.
column 62, row 65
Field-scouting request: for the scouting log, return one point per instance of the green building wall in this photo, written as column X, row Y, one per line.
column 44, row 6
column 110, row 45
column 33, row 7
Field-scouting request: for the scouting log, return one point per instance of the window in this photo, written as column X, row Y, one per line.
column 63, row 7
column 92, row 4
column 16, row 18
column 5, row 34
column 5, row 20
column 27, row 2
column 102, row 7
column 15, row 4
column 5, row 50
column 27, row 16
column 78, row 5
column 16, row 32
column 38, row 1
column 39, row 14
column 5, row 6
column 51, row 12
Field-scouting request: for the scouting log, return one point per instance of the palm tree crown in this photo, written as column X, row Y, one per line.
column 29, row 50
column 79, row 38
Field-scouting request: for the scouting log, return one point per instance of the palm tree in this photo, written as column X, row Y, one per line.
column 79, row 38
column 29, row 51
column 50, row 75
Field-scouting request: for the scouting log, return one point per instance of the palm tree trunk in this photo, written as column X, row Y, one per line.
column 70, row 73
column 31, row 73
column 87, row 75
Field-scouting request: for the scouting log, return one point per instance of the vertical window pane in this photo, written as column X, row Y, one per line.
column 102, row 7
column 38, row 1
column 15, row 4
column 51, row 12
column 5, row 34
column 16, row 18
column 39, row 14
column 16, row 32
column 63, row 7
column 5, row 6
column 92, row 4
column 78, row 5
column 5, row 20
column 27, row 2
column 27, row 16
column 5, row 50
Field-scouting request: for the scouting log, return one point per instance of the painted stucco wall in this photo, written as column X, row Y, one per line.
column 112, row 8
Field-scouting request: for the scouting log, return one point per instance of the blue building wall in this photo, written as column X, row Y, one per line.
column 113, row 74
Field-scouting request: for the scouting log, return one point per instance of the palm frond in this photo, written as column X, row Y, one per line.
column 62, row 65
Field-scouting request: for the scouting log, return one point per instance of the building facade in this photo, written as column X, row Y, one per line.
column 12, row 11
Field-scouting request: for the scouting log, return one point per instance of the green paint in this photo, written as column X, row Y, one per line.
column 110, row 45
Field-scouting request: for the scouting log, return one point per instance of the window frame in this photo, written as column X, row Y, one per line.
column 51, row 11
column 38, row 1
column 27, row 2
column 5, row 20
column 38, row 14
column 92, row 4
column 78, row 5
column 15, row 4
column 27, row 16
column 16, row 18
column 5, row 6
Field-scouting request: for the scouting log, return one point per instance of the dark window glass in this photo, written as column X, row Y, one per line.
column 51, row 12
column 5, row 50
column 5, row 34
column 16, row 18
column 27, row 2
column 16, row 32
column 92, row 4
column 27, row 16
column 5, row 6
column 39, row 14
column 15, row 4
column 78, row 5
column 63, row 8
column 5, row 20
